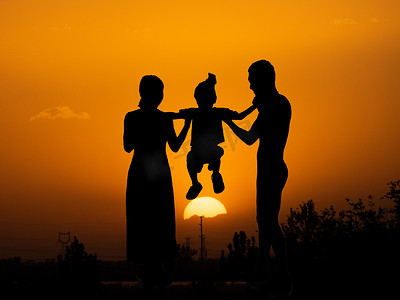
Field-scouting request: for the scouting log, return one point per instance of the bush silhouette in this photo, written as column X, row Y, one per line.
column 355, row 249
column 77, row 266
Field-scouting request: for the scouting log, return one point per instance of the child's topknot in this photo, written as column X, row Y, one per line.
column 206, row 89
column 211, row 80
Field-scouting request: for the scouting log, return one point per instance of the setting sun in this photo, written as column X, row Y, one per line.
column 204, row 206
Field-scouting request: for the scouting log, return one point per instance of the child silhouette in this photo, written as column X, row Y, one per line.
column 207, row 134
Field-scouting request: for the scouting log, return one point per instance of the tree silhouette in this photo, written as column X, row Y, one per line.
column 305, row 227
column 394, row 195
column 353, row 251
column 77, row 266
column 185, row 253
column 242, row 256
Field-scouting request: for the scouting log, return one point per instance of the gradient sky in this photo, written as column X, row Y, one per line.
column 70, row 71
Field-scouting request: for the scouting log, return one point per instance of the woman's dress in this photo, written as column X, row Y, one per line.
column 150, row 209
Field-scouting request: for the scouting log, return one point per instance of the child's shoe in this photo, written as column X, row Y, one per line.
column 218, row 183
column 194, row 191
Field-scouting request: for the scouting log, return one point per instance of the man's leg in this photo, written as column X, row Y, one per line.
column 264, row 238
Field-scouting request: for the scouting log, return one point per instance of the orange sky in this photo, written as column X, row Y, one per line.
column 336, row 61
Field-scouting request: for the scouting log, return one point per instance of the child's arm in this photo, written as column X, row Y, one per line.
column 244, row 114
column 186, row 113
column 174, row 115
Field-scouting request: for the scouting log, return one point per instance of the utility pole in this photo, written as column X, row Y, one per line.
column 64, row 238
column 202, row 246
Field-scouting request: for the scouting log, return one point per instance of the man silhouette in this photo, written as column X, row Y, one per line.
column 271, row 128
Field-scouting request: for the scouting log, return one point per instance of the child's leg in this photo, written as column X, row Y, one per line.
column 194, row 166
column 214, row 166
column 215, row 160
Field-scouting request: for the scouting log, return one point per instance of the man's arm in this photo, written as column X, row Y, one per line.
column 248, row 137
column 245, row 113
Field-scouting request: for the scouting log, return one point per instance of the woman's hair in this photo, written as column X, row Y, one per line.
column 151, row 91
column 264, row 70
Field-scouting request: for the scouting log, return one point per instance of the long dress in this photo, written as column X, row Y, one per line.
column 150, row 209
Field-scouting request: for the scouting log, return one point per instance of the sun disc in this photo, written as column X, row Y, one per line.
column 204, row 207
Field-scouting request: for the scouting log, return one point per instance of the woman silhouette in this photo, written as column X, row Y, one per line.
column 150, row 209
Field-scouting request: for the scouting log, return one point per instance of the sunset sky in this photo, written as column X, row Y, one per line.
column 70, row 71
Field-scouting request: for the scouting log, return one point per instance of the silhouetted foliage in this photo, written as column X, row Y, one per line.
column 242, row 256
column 394, row 195
column 306, row 226
column 76, row 265
column 353, row 251
column 185, row 253
column 185, row 263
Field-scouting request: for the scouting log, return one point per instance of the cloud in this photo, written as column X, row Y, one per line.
column 374, row 20
column 346, row 21
column 60, row 112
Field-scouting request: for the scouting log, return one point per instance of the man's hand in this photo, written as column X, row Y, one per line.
column 187, row 122
column 256, row 102
column 227, row 121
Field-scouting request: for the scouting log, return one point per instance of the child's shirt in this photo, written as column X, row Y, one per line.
column 207, row 128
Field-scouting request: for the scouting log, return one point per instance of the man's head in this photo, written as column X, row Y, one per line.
column 151, row 90
column 205, row 94
column 261, row 77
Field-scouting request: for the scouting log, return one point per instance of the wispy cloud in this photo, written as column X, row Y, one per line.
column 60, row 112
column 374, row 20
column 346, row 21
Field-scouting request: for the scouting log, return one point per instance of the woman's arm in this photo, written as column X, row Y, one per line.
column 128, row 139
column 174, row 115
column 248, row 137
column 182, row 114
column 175, row 142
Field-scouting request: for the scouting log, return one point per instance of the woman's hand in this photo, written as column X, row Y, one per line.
column 187, row 122
column 228, row 122
column 175, row 142
column 256, row 102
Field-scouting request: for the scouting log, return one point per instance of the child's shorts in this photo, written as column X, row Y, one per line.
column 196, row 158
